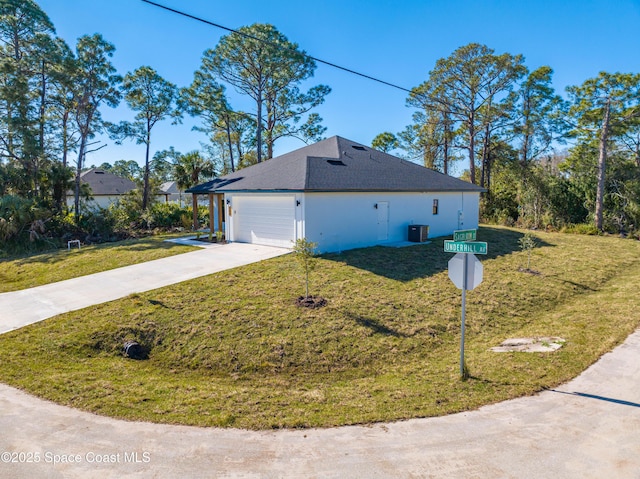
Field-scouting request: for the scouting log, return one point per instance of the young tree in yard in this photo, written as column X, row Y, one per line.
column 305, row 255
column 528, row 243
column 262, row 63
column 96, row 83
column 153, row 99
column 191, row 169
column 605, row 106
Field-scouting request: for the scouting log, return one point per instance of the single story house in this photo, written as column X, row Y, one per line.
column 341, row 195
column 106, row 188
column 169, row 192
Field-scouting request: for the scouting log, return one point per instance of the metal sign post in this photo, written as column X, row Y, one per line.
column 464, row 307
column 465, row 271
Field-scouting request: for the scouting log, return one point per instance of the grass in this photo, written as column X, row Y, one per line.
column 233, row 350
column 28, row 271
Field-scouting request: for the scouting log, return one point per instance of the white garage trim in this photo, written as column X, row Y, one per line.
column 264, row 219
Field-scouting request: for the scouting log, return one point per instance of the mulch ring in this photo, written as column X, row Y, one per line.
column 311, row 302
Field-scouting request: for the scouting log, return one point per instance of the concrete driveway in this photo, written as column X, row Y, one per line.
column 20, row 308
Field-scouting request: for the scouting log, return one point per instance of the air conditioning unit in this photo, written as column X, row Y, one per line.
column 418, row 233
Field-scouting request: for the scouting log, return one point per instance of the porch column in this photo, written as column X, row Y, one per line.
column 220, row 211
column 195, row 211
column 211, row 206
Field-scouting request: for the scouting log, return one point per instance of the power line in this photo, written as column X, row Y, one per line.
column 348, row 70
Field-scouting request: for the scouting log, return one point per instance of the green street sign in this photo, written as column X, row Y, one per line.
column 474, row 247
column 464, row 235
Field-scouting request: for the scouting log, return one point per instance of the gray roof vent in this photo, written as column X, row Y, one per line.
column 358, row 147
column 99, row 172
column 336, row 162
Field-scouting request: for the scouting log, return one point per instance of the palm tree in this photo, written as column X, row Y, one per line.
column 190, row 169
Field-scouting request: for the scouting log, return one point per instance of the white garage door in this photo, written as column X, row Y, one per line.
column 268, row 220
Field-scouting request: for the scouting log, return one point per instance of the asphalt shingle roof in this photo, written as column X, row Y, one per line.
column 336, row 164
column 105, row 183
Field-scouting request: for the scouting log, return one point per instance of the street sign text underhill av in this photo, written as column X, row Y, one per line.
column 474, row 247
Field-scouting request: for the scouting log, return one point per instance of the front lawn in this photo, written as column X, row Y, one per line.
column 28, row 271
column 233, row 350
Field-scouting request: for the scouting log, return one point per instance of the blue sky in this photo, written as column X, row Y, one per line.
column 397, row 41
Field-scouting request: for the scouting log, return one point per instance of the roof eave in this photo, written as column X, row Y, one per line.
column 266, row 190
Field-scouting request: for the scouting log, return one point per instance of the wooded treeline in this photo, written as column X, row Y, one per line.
column 545, row 160
column 51, row 98
column 484, row 110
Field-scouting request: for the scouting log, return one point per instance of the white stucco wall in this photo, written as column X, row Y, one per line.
column 183, row 199
column 96, row 201
column 341, row 221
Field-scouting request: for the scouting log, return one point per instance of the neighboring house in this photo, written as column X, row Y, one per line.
column 169, row 192
column 106, row 188
column 342, row 195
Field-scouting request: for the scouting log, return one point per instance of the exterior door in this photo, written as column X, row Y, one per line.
column 383, row 220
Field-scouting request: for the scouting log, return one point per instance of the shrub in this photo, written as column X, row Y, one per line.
column 581, row 229
column 24, row 225
column 167, row 215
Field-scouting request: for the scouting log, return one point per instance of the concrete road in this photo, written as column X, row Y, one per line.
column 20, row 308
column 588, row 428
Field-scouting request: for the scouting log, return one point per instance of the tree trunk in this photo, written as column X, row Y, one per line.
column 259, row 128
column 10, row 127
column 60, row 189
column 230, row 144
column 270, row 126
column 65, row 138
column 485, row 157
column 196, row 225
column 239, row 150
column 306, row 289
column 472, row 146
column 145, row 190
column 524, row 151
column 445, row 152
column 269, row 146
column 147, row 172
column 76, row 199
column 41, row 148
column 489, row 167
column 602, row 164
